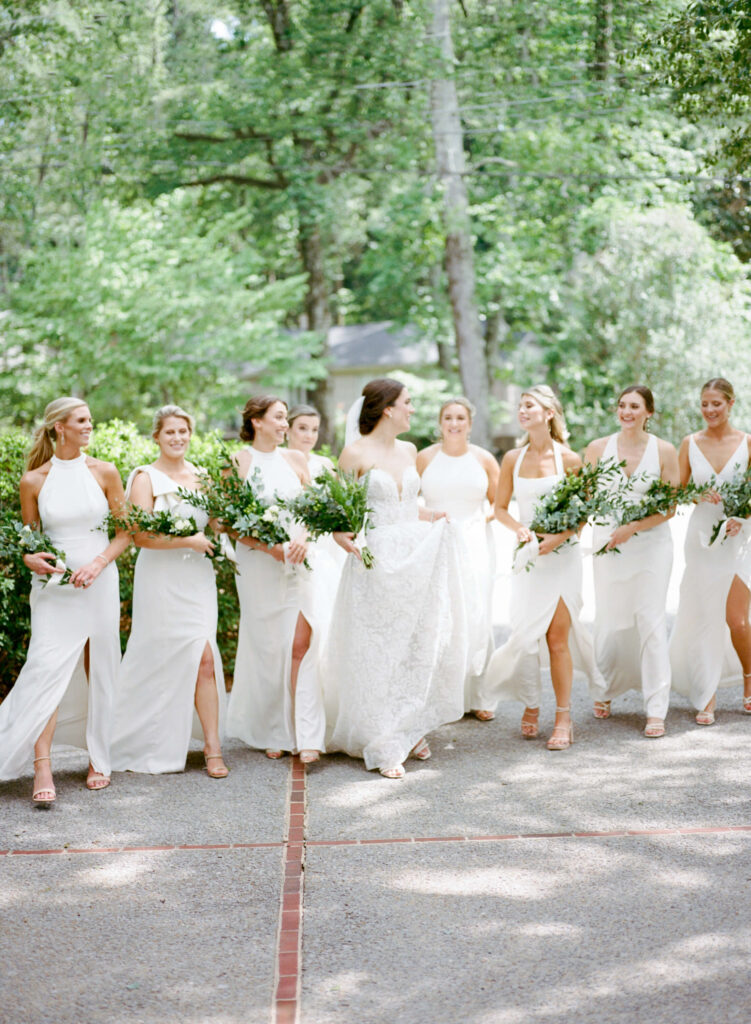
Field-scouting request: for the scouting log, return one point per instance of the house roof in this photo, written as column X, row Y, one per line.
column 361, row 346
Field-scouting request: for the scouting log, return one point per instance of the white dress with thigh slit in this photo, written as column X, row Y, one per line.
column 72, row 507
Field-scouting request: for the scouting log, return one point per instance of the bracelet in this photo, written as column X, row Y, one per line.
column 103, row 558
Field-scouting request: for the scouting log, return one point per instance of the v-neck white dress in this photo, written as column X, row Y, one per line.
column 174, row 618
column 397, row 652
column 72, row 507
column 631, row 587
column 701, row 651
column 514, row 669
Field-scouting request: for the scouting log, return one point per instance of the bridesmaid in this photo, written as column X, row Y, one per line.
column 713, row 611
column 74, row 628
column 172, row 661
column 631, row 585
column 459, row 479
column 275, row 703
column 546, row 600
column 304, row 424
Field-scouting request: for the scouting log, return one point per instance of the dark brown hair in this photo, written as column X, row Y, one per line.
column 378, row 395
column 643, row 390
column 255, row 409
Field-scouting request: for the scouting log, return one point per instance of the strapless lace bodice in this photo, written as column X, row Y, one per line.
column 389, row 507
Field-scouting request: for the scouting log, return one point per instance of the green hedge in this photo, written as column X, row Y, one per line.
column 116, row 442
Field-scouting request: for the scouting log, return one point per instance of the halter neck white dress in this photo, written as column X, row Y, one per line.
column 72, row 507
column 458, row 486
column 397, row 652
column 513, row 672
column 261, row 711
column 174, row 618
column 701, row 652
column 631, row 587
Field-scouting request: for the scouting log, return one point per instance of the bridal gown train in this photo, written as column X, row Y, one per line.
column 631, row 588
column 701, row 652
column 261, row 710
column 174, row 618
column 72, row 507
column 397, row 652
column 458, row 486
column 513, row 672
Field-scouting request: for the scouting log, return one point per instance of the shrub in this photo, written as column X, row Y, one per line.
column 118, row 442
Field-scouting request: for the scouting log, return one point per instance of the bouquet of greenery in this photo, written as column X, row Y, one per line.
column 33, row 541
column 240, row 505
column 334, row 504
column 164, row 523
column 575, row 499
column 736, row 502
column 660, row 498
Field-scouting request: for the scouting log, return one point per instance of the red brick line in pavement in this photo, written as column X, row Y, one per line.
column 296, row 837
column 289, row 936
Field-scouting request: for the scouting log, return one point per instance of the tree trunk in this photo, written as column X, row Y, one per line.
column 449, row 149
column 318, row 316
column 603, row 40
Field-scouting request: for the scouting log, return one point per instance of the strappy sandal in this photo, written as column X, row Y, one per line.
column 309, row 756
column 601, row 709
column 219, row 772
column 655, row 729
column 46, row 796
column 397, row 772
column 421, row 750
column 483, row 716
column 707, row 716
column 274, row 755
column 747, row 700
column 565, row 741
column 95, row 780
column 530, row 726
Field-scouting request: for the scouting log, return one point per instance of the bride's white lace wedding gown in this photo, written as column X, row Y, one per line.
column 397, row 652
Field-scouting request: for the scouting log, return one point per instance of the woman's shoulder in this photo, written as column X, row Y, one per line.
column 108, row 470
column 425, row 456
column 407, row 448
column 486, row 459
column 665, row 447
column 295, row 458
column 571, row 459
column 32, row 479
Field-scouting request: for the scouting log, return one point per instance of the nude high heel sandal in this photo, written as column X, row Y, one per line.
column 46, row 796
column 561, row 742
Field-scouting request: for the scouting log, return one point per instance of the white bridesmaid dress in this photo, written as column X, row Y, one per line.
column 631, row 588
column 72, row 507
column 513, row 672
column 261, row 711
column 397, row 652
column 174, row 618
column 458, row 486
column 701, row 652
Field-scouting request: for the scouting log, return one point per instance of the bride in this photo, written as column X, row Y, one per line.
column 398, row 648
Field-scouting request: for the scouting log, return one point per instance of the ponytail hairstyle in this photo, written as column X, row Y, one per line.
column 170, row 410
column 255, row 409
column 644, row 391
column 547, row 398
column 723, row 386
column 43, row 446
column 378, row 395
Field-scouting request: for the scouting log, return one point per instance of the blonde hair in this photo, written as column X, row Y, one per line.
column 459, row 400
column 723, row 386
column 547, row 398
column 43, row 445
column 170, row 410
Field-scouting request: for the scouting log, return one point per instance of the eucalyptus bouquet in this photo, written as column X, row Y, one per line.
column 334, row 504
column 660, row 498
column 575, row 499
column 240, row 505
column 33, row 541
column 162, row 523
column 736, row 502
